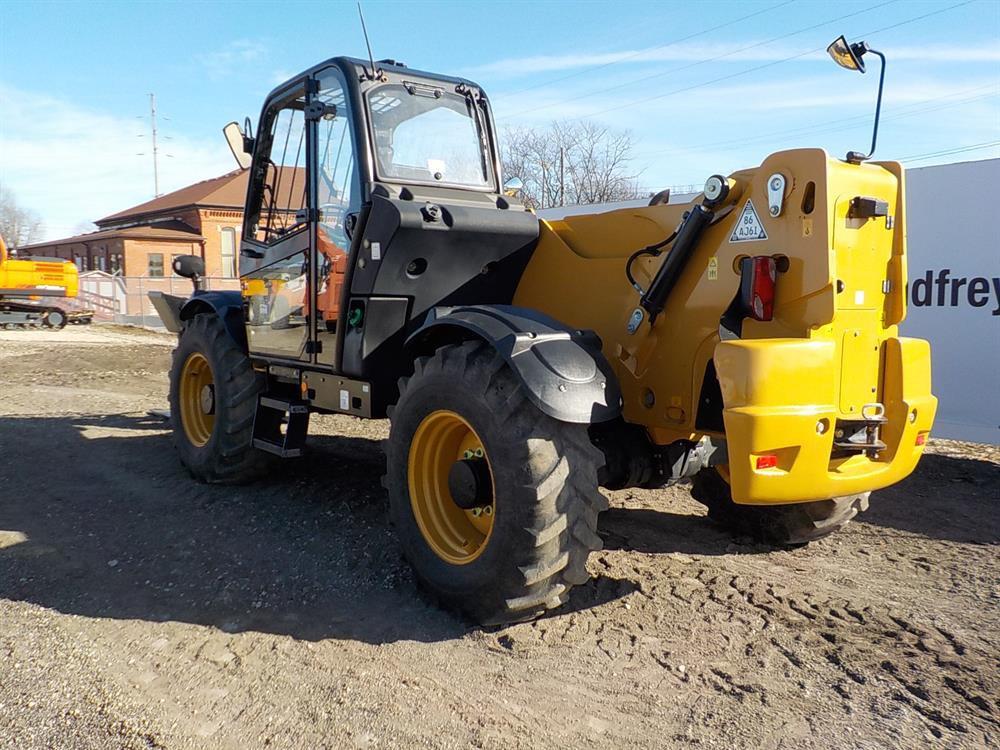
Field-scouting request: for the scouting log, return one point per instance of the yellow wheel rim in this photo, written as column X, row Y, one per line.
column 456, row 535
column 197, row 399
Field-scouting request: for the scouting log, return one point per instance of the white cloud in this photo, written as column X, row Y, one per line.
column 725, row 100
column 72, row 164
column 730, row 52
column 280, row 76
column 231, row 58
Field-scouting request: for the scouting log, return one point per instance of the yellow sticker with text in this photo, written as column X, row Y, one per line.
column 713, row 268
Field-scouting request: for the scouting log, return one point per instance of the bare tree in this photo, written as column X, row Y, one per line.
column 570, row 162
column 18, row 226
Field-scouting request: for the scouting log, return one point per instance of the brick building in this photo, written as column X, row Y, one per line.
column 202, row 219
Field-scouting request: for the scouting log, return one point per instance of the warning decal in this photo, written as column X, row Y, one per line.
column 748, row 226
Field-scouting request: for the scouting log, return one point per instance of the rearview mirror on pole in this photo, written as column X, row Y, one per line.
column 237, row 144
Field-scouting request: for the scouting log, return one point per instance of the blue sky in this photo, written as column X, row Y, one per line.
column 704, row 87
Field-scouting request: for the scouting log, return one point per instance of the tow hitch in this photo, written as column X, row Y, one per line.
column 861, row 435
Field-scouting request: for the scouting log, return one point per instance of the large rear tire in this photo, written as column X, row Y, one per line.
column 782, row 525
column 213, row 399
column 532, row 479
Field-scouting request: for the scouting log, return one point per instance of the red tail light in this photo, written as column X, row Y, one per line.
column 758, row 276
column 767, row 462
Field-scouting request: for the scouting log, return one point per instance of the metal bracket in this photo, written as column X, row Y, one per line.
column 635, row 320
column 319, row 110
column 775, row 193
column 304, row 215
column 864, row 207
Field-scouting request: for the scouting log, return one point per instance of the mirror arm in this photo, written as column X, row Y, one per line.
column 878, row 103
column 855, row 157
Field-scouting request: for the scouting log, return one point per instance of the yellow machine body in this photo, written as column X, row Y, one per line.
column 831, row 352
column 27, row 277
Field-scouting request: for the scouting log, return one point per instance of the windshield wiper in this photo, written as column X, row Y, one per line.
column 473, row 103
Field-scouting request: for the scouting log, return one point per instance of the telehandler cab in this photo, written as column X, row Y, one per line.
column 746, row 341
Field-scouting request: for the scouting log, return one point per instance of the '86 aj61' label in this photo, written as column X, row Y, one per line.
column 748, row 227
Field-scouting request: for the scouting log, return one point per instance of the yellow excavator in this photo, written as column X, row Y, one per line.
column 745, row 342
column 28, row 284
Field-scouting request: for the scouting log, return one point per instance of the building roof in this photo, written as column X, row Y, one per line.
column 227, row 191
column 165, row 230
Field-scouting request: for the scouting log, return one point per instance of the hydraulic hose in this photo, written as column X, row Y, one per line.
column 653, row 250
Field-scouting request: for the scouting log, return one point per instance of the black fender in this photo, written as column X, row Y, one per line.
column 228, row 305
column 562, row 369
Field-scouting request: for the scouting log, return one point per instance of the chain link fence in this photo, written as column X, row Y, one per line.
column 125, row 299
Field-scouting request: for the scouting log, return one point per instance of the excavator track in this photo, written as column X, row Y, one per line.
column 15, row 314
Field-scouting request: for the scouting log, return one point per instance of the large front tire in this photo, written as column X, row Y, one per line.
column 525, row 545
column 782, row 525
column 213, row 399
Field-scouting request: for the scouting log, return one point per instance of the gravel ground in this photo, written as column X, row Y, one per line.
column 139, row 609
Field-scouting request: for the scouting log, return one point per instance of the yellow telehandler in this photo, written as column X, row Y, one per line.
column 746, row 341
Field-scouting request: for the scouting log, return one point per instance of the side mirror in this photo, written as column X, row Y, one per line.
column 851, row 56
column 513, row 186
column 237, row 144
column 190, row 267
column 848, row 55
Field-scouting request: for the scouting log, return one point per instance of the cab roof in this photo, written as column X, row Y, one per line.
column 354, row 66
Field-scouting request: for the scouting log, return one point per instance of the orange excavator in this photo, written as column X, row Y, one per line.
column 26, row 285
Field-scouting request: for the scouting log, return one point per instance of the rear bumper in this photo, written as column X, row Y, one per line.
column 780, row 398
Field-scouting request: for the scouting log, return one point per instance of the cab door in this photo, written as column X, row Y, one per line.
column 338, row 201
column 275, row 252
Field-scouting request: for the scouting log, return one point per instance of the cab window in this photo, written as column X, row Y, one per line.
column 338, row 195
column 279, row 191
column 424, row 133
column 338, row 190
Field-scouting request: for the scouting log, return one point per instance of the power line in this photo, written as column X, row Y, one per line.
column 696, row 63
column 638, row 53
column 950, row 151
column 769, row 64
column 818, row 128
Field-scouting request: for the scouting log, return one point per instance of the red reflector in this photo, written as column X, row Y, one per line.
column 921, row 438
column 767, row 462
column 757, row 286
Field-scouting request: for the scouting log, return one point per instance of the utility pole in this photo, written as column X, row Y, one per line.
column 155, row 144
column 545, row 178
column 156, row 170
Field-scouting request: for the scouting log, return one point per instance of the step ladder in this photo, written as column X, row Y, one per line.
column 280, row 426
